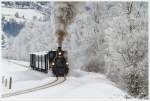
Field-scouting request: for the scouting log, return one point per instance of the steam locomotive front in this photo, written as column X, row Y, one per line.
column 60, row 64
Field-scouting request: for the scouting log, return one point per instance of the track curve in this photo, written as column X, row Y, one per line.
column 57, row 81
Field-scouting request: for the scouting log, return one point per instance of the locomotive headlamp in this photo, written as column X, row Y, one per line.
column 59, row 53
column 53, row 63
column 67, row 63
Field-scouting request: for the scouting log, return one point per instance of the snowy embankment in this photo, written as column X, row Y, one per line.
column 85, row 85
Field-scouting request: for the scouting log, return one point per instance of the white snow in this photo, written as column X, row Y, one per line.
column 85, row 85
column 40, row 53
column 8, row 67
column 27, row 13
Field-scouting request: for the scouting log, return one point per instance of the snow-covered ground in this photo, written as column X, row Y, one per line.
column 27, row 13
column 86, row 85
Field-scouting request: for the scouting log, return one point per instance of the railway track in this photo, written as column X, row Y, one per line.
column 57, row 81
column 18, row 64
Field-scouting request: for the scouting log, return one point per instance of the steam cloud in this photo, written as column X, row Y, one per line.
column 64, row 14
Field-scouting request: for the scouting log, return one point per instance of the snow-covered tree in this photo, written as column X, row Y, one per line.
column 86, row 42
column 128, row 45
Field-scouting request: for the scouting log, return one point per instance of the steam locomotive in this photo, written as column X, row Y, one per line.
column 56, row 61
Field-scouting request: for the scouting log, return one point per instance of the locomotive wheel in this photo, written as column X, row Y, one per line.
column 60, row 72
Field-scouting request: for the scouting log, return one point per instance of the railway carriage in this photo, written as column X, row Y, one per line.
column 39, row 61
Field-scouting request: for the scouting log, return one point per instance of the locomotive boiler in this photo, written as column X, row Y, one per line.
column 59, row 64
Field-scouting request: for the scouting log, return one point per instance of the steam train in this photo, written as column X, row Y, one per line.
column 56, row 61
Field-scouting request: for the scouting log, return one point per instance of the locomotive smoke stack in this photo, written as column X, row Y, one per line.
column 59, row 48
column 59, row 51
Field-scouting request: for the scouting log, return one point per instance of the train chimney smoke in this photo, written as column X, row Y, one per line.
column 63, row 14
column 60, row 37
